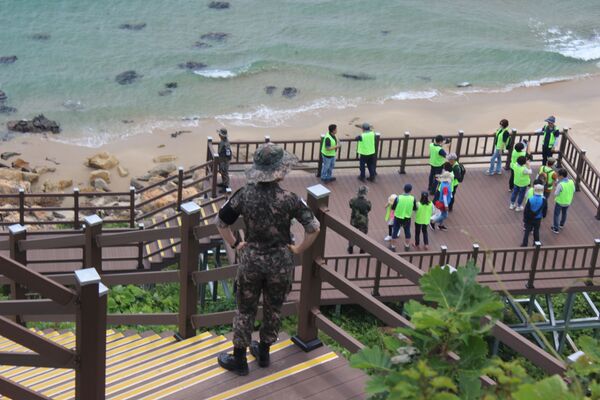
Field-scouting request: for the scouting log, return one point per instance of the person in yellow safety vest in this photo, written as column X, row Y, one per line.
column 329, row 147
column 403, row 208
column 549, row 175
column 437, row 157
column 519, row 150
column 563, row 197
column 422, row 219
column 389, row 216
column 501, row 138
column 458, row 176
column 550, row 132
column 366, row 152
column 522, row 181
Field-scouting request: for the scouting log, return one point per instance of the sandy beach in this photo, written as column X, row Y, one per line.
column 575, row 104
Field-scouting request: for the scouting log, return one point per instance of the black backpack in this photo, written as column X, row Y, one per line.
column 463, row 171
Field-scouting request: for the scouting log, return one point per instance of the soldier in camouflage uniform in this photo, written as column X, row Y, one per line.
column 266, row 255
column 224, row 158
column 359, row 217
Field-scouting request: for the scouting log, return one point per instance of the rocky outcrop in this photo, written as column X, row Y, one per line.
column 136, row 183
column 43, row 170
column 102, row 160
column 38, row 125
column 219, row 5
column 127, row 77
column 8, row 154
column 133, row 27
column 7, row 109
column 21, row 164
column 162, row 170
column 270, row 89
column 3, row 96
column 358, row 77
column 192, row 65
column 289, row 92
column 9, row 186
column 100, row 174
column 40, row 36
column 215, row 36
column 123, row 172
column 202, row 45
column 8, row 59
column 100, row 184
column 16, row 175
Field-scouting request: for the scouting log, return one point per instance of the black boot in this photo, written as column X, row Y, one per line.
column 260, row 351
column 235, row 363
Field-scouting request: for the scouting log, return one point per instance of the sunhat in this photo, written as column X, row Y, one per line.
column 271, row 163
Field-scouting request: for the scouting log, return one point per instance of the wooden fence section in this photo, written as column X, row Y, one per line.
column 413, row 151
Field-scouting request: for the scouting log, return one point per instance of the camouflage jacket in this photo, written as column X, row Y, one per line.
column 360, row 207
column 268, row 211
column 225, row 149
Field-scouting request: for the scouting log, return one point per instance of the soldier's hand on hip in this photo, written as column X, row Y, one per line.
column 294, row 249
column 240, row 246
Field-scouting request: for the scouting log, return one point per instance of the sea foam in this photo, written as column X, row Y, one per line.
column 568, row 43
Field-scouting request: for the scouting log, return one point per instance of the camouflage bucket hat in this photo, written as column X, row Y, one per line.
column 271, row 163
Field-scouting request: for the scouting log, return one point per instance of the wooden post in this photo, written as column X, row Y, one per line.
column 131, row 207
column 17, row 233
column 92, row 254
column 267, row 139
column 375, row 291
column 179, row 187
column 90, row 376
column 215, row 174
column 21, row 206
column 461, row 133
column 310, row 288
column 579, row 170
column 475, row 253
column 76, row 223
column 444, row 250
column 562, row 147
column 209, row 143
column 140, row 257
column 377, row 145
column 534, row 262
column 404, row 152
column 513, row 139
column 188, row 263
column 320, row 162
column 598, row 211
column 593, row 261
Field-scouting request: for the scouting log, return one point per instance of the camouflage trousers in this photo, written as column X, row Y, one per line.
column 269, row 274
column 224, row 171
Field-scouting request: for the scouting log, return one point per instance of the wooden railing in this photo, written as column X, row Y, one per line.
column 86, row 304
column 315, row 272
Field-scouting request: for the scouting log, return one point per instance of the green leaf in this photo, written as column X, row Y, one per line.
column 376, row 385
column 470, row 385
column 370, row 358
column 392, row 343
column 552, row 388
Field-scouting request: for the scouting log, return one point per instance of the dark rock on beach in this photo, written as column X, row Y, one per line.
column 215, row 36
column 165, row 92
column 358, row 77
column 8, row 154
column 127, row 77
column 384, row 33
column 219, row 5
column 127, row 121
column 270, row 89
column 289, row 92
column 40, row 36
column 7, row 109
column 8, row 59
column 192, row 65
column 201, row 45
column 171, row 85
column 3, row 96
column 424, row 78
column 38, row 125
column 133, row 27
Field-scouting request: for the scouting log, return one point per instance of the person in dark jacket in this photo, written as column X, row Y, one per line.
column 535, row 210
column 360, row 207
column 224, row 159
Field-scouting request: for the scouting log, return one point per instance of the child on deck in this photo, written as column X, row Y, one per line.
column 444, row 198
column 422, row 219
column 389, row 216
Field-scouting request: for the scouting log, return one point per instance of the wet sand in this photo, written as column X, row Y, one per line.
column 576, row 104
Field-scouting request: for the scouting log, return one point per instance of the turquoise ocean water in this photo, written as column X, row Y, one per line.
column 407, row 49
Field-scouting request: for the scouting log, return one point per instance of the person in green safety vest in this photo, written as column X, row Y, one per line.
column 422, row 219
column 367, row 152
column 563, row 197
column 458, row 176
column 437, row 157
column 404, row 206
column 329, row 147
column 389, row 216
column 501, row 138
column 551, row 133
column 522, row 180
column 549, row 175
column 519, row 150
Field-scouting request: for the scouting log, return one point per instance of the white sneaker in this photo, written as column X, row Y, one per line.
column 488, row 173
column 519, row 209
column 512, row 206
column 387, row 238
column 499, row 173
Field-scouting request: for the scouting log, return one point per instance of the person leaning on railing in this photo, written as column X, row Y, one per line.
column 437, row 157
column 366, row 152
column 224, row 159
column 328, row 152
column 551, row 133
column 267, row 255
column 501, row 139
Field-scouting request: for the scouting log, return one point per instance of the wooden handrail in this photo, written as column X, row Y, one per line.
column 36, row 281
column 336, row 333
column 17, row 391
column 113, row 239
column 61, row 242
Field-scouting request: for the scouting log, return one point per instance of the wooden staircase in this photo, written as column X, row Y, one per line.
column 152, row 366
